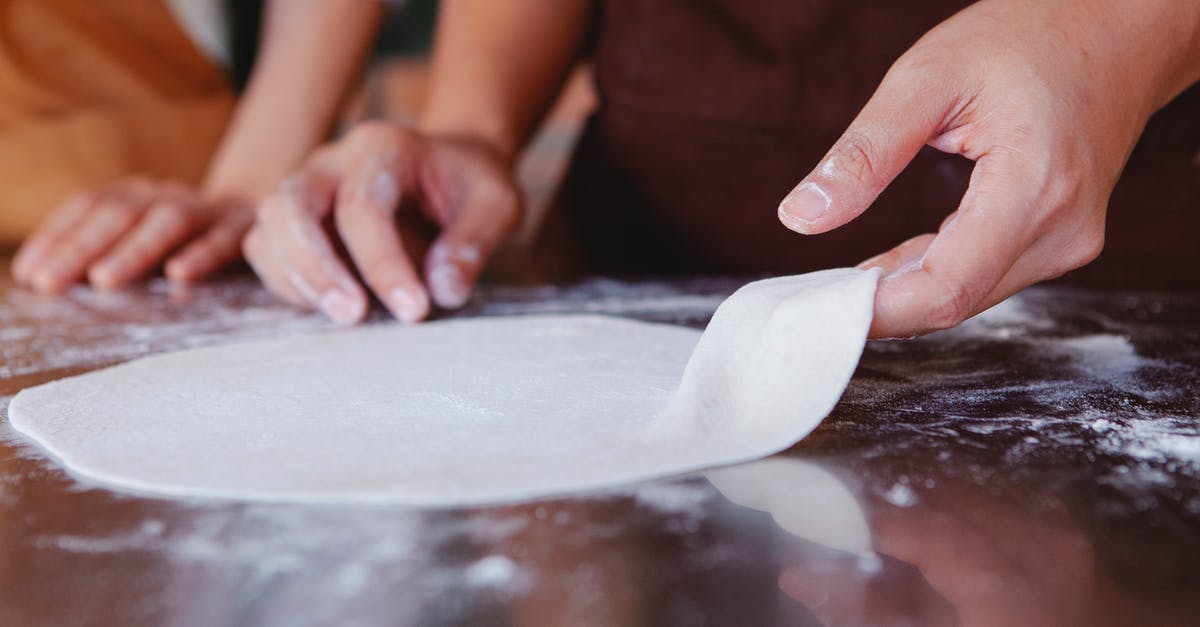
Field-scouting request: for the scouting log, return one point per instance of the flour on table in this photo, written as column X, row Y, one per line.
column 464, row 411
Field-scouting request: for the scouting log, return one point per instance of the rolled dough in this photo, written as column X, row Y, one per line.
column 464, row 411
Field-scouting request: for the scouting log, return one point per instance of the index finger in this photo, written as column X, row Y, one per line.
column 907, row 111
column 290, row 221
column 371, row 192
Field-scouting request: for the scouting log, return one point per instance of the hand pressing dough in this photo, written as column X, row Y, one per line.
column 464, row 411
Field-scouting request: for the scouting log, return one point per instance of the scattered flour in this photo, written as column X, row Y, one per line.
column 493, row 571
column 901, row 495
column 1154, row 440
column 675, row 497
column 1101, row 355
column 84, row 329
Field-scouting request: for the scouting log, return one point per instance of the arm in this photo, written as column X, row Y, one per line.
column 1048, row 98
column 421, row 211
column 311, row 49
column 310, row 53
column 488, row 81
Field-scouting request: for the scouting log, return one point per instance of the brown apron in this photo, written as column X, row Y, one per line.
column 711, row 110
column 94, row 90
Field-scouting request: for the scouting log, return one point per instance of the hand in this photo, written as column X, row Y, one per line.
column 120, row 233
column 1048, row 98
column 419, row 216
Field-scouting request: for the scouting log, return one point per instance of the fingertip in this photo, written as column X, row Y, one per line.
column 47, row 283
column 28, row 258
column 17, row 273
column 805, row 208
column 105, row 276
column 188, row 267
column 449, row 286
column 20, row 264
column 907, row 303
column 890, row 312
column 179, row 270
column 792, row 223
column 345, row 309
column 453, row 268
column 408, row 304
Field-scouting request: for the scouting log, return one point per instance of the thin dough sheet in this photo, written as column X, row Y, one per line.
column 465, row 411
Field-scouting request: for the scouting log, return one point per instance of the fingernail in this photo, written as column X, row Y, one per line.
column 407, row 306
column 340, row 307
column 102, row 275
column 804, row 206
column 178, row 271
column 449, row 288
column 45, row 282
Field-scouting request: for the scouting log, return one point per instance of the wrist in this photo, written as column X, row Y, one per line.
column 487, row 128
column 1192, row 51
column 1177, row 42
column 221, row 185
column 477, row 102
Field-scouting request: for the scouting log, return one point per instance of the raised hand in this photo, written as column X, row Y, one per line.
column 1048, row 98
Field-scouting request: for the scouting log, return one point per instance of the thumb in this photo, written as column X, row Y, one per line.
column 905, row 112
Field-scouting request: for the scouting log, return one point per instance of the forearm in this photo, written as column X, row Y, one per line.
column 311, row 51
column 1157, row 42
column 1190, row 36
column 497, row 67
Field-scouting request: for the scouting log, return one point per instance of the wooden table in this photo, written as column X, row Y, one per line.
column 1040, row 465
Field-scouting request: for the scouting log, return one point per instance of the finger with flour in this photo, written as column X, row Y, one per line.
column 300, row 249
column 372, row 190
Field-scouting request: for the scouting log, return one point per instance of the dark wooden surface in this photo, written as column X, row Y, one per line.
column 1038, row 466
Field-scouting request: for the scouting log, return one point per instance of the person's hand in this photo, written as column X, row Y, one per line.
column 124, row 231
column 1048, row 98
column 417, row 216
